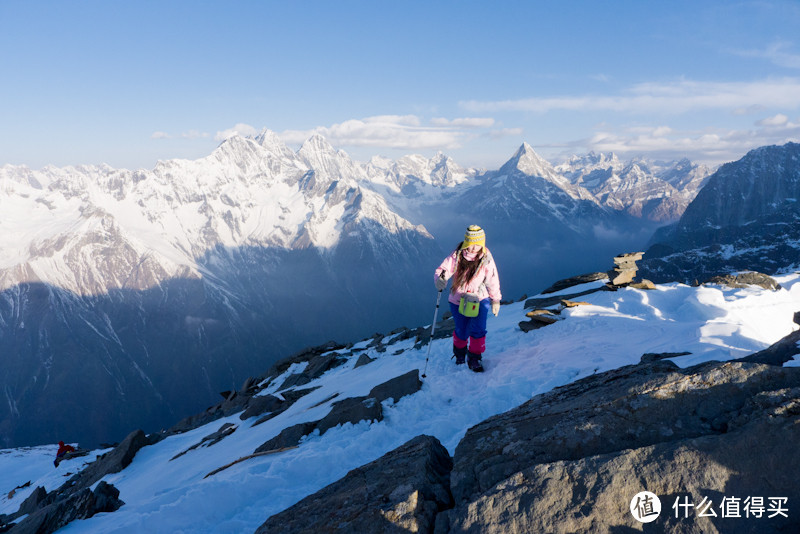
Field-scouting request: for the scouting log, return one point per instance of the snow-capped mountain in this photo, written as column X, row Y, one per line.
column 650, row 190
column 225, row 472
column 142, row 283
column 145, row 284
column 409, row 173
column 747, row 216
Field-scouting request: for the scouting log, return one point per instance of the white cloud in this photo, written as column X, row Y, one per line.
column 392, row 131
column 465, row 122
column 239, row 129
column 777, row 53
column 710, row 146
column 777, row 120
column 663, row 98
column 160, row 135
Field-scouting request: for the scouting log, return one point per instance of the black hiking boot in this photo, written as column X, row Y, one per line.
column 460, row 354
column 474, row 362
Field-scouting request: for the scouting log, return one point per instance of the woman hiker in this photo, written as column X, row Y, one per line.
column 475, row 289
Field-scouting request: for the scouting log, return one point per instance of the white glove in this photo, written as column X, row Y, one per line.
column 441, row 283
column 495, row 307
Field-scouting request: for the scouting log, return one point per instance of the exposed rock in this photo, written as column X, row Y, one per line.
column 644, row 284
column 778, row 353
column 400, row 386
column 575, row 281
column 544, row 302
column 542, row 316
column 79, row 505
column 572, row 303
column 398, row 493
column 351, row 410
column 630, row 407
column 628, row 259
column 33, row 502
column 527, row 326
column 362, row 361
column 593, row 494
column 744, row 280
column 224, row 431
column 289, row 437
column 261, row 404
column 572, row 459
column 110, row 462
column 293, row 395
column 625, row 268
column 648, row 357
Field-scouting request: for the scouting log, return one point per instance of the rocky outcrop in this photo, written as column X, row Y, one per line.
column 79, row 505
column 571, row 460
column 745, row 279
column 624, row 269
column 400, row 492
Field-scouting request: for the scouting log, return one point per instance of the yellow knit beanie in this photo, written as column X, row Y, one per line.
column 474, row 236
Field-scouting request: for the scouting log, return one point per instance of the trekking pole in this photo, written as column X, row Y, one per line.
column 433, row 327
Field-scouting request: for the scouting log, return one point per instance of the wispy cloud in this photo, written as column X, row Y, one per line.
column 710, row 146
column 663, row 98
column 393, row 131
column 239, row 129
column 465, row 122
column 778, row 53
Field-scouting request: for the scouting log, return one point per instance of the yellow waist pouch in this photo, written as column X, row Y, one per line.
column 470, row 305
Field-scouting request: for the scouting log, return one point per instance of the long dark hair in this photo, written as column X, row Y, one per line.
column 465, row 269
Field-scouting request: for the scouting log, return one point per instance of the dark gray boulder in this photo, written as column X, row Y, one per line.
column 79, row 505
column 362, row 361
column 262, row 404
column 288, row 437
column 397, row 387
column 400, row 492
column 351, row 410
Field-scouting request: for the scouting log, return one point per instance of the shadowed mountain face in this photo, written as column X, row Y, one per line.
column 746, row 218
column 90, row 368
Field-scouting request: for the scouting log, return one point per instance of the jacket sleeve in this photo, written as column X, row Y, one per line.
column 492, row 282
column 448, row 267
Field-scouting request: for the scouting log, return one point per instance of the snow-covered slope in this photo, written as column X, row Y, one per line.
column 614, row 329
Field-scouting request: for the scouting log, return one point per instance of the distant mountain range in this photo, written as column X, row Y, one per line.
column 747, row 217
column 131, row 298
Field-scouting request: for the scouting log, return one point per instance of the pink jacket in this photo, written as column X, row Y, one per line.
column 486, row 282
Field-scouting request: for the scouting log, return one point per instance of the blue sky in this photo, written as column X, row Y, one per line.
column 129, row 83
